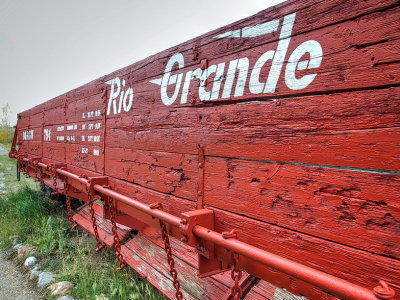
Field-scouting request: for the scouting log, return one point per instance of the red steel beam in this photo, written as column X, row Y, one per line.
column 337, row 286
column 157, row 213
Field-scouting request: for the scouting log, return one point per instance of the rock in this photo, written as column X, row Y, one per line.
column 45, row 278
column 30, row 261
column 65, row 298
column 15, row 242
column 101, row 297
column 17, row 246
column 60, row 288
column 24, row 250
column 36, row 268
column 34, row 273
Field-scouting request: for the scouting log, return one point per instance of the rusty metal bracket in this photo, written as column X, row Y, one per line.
column 208, row 264
column 92, row 181
column 52, row 168
column 34, row 161
column 202, row 217
column 195, row 55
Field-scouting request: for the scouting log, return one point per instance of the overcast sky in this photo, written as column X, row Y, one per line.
column 48, row 47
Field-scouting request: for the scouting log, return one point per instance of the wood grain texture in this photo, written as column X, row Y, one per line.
column 309, row 174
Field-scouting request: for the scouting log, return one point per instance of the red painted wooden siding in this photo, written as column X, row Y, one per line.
column 310, row 174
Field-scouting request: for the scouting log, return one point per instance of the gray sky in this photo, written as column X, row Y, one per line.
column 48, row 47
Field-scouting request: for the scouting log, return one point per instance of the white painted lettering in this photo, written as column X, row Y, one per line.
column 255, row 86
column 280, row 53
column 115, row 89
column 242, row 65
column 47, row 134
column 294, row 64
column 268, row 65
column 167, row 79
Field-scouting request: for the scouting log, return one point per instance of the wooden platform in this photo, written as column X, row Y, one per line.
column 145, row 253
column 82, row 217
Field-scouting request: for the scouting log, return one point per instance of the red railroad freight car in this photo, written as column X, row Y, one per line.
column 270, row 146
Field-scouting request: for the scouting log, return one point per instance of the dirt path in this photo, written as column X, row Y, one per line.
column 13, row 285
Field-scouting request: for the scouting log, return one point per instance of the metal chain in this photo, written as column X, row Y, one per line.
column 69, row 209
column 54, row 183
column 170, row 259
column 39, row 170
column 117, row 242
column 93, row 218
column 236, row 274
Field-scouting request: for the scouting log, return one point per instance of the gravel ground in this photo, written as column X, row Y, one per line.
column 13, row 285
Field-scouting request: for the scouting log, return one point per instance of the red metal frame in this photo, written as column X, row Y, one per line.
column 197, row 228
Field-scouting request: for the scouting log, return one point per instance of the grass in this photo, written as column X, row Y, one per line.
column 41, row 222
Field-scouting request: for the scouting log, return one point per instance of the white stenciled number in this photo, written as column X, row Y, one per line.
column 47, row 134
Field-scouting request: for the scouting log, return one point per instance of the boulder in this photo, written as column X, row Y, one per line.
column 34, row 274
column 45, row 278
column 17, row 246
column 30, row 261
column 25, row 250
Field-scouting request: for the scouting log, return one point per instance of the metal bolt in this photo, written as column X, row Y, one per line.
column 229, row 234
column 384, row 291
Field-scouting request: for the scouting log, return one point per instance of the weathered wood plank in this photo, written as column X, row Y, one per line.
column 169, row 173
column 370, row 149
column 338, row 111
column 54, row 151
column 74, row 156
column 336, row 259
column 353, row 126
column 353, row 208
